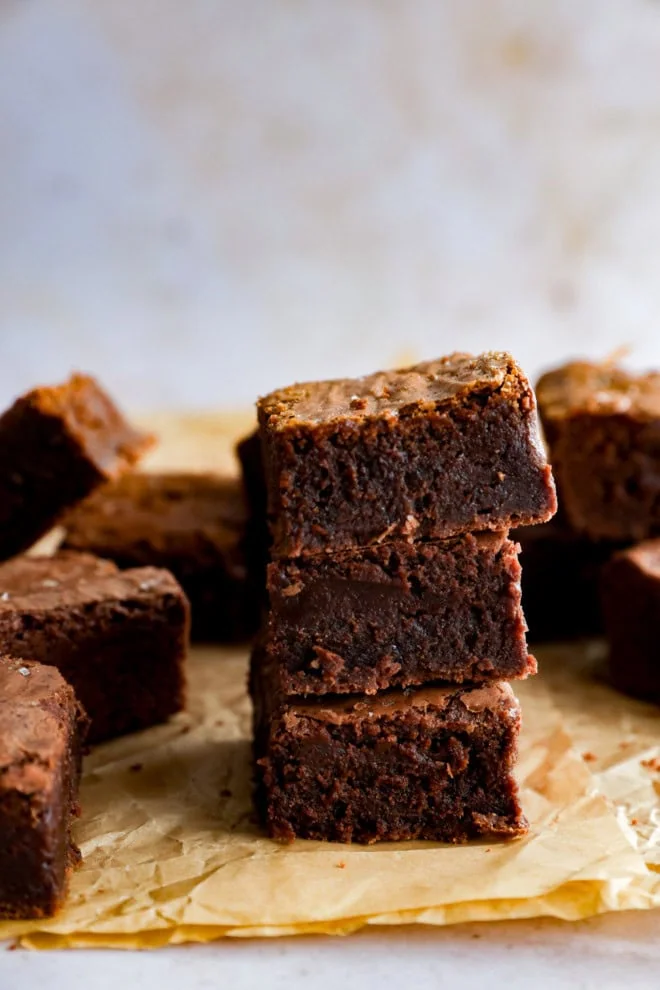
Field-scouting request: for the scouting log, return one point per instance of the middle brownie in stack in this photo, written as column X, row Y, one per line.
column 381, row 710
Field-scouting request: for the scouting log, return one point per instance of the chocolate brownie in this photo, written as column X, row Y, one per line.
column 603, row 431
column 561, row 580
column 631, row 611
column 398, row 614
column 42, row 728
column 432, row 451
column 431, row 763
column 118, row 637
column 56, row 445
column 248, row 451
column 258, row 535
column 194, row 525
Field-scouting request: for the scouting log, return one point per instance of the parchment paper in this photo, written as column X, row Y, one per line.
column 172, row 853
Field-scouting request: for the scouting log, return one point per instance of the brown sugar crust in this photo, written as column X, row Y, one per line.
column 603, row 430
column 192, row 524
column 398, row 614
column 42, row 728
column 433, row 763
column 119, row 637
column 428, row 452
column 57, row 444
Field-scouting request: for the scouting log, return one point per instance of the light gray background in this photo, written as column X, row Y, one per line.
column 201, row 200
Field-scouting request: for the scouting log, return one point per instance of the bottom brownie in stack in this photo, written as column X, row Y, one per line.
column 429, row 763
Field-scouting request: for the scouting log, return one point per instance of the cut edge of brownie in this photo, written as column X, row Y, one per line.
column 57, row 444
column 630, row 594
column 398, row 614
column 119, row 637
column 345, row 470
column 38, row 789
column 433, row 763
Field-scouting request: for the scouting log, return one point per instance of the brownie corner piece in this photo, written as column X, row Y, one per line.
column 630, row 588
column 119, row 637
column 58, row 443
column 42, row 731
column 432, row 763
column 426, row 452
column 602, row 426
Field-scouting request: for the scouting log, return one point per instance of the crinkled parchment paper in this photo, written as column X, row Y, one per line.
column 172, row 852
column 618, row 737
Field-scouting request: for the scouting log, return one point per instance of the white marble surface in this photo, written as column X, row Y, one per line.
column 603, row 954
column 200, row 201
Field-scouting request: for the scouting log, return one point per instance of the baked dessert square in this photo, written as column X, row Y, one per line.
column 57, row 444
column 430, row 763
column 118, row 637
column 561, row 580
column 428, row 452
column 248, row 451
column 631, row 612
column 602, row 426
column 42, row 730
column 398, row 614
column 194, row 525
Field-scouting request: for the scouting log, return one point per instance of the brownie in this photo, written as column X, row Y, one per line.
column 248, row 451
column 603, row 431
column 631, row 611
column 561, row 580
column 118, row 637
column 57, row 444
column 432, row 451
column 431, row 763
column 398, row 614
column 192, row 524
column 42, row 729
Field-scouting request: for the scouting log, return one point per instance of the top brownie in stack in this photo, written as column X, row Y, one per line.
column 428, row 452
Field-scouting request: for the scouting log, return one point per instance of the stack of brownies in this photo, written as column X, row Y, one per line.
column 379, row 680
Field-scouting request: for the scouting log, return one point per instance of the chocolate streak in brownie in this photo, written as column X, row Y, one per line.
column 119, row 637
column 432, row 451
column 398, row 614
column 434, row 763
column 42, row 728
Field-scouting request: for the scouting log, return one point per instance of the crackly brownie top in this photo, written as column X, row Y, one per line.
column 450, row 380
column 497, row 697
column 70, row 579
column 92, row 419
column 645, row 556
column 597, row 389
column 160, row 509
column 37, row 707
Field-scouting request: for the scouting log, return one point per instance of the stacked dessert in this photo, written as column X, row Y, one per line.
column 380, row 678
